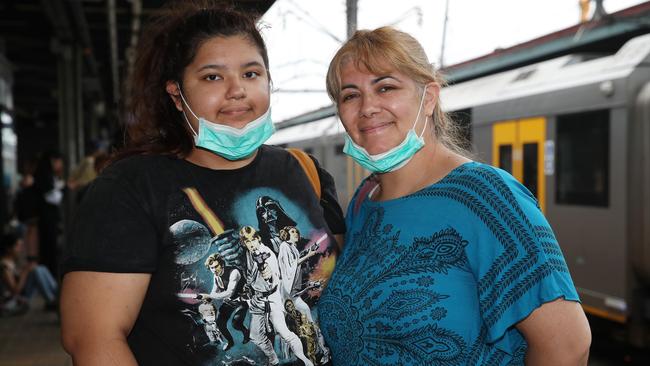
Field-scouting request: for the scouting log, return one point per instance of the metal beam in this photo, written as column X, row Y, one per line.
column 58, row 17
column 82, row 28
column 112, row 35
column 351, row 14
column 131, row 50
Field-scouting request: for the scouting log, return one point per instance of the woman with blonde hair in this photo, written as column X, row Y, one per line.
column 447, row 261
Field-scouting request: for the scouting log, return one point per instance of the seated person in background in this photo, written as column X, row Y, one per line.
column 19, row 284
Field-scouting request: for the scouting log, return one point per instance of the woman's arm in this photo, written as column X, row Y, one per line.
column 557, row 333
column 98, row 311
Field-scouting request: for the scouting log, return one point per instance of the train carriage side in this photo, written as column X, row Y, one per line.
column 576, row 131
column 324, row 140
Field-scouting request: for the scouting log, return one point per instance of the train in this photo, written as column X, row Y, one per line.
column 575, row 130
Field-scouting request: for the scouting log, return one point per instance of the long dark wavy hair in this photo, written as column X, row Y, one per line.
column 168, row 45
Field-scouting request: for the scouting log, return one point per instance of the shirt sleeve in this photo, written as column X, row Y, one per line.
column 329, row 201
column 112, row 231
column 517, row 262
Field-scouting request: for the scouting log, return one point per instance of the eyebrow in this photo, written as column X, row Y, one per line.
column 374, row 81
column 221, row 67
column 253, row 63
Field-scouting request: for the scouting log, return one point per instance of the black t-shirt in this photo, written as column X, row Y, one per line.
column 167, row 216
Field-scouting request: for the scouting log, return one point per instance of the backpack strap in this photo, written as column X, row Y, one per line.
column 309, row 167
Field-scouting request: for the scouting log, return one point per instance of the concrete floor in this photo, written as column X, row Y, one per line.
column 32, row 339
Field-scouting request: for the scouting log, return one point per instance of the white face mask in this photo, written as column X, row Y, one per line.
column 229, row 142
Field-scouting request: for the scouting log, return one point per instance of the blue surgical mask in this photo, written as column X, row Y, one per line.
column 392, row 159
column 229, row 142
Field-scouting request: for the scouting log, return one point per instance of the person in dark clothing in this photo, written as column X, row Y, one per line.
column 25, row 208
column 49, row 188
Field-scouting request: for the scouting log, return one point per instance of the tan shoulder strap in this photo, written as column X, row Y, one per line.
column 309, row 167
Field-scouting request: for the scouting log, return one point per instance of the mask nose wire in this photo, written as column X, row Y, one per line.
column 188, row 107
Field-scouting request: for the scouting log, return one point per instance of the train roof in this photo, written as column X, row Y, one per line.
column 328, row 126
column 605, row 35
column 561, row 73
column 594, row 46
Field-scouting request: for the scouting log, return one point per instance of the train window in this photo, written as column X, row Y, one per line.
column 530, row 167
column 505, row 158
column 582, row 161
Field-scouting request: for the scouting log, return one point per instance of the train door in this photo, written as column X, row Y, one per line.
column 518, row 148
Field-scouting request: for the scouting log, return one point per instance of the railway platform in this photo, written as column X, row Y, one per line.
column 32, row 339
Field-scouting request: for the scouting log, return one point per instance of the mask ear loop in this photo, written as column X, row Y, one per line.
column 190, row 125
column 426, row 119
column 188, row 107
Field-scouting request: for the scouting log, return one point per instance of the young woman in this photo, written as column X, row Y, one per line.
column 447, row 261
column 135, row 275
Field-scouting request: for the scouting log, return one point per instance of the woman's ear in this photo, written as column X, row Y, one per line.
column 174, row 93
column 431, row 97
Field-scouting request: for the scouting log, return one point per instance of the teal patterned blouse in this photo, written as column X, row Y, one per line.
column 441, row 276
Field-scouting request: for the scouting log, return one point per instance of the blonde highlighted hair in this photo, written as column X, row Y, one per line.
column 384, row 50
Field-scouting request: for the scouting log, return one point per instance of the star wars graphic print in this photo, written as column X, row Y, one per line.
column 248, row 290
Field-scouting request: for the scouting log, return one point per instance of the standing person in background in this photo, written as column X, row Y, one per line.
column 195, row 166
column 87, row 170
column 49, row 187
column 25, row 209
column 447, row 261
